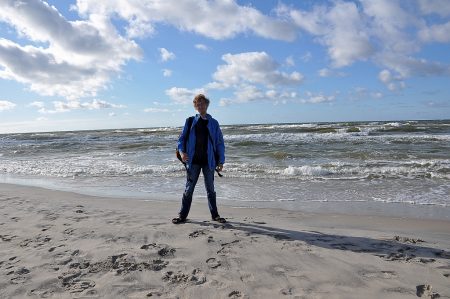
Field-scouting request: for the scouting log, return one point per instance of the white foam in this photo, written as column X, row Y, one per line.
column 306, row 171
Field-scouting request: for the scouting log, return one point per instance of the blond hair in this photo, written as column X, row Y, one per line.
column 201, row 97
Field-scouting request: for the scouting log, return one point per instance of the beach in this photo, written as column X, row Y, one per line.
column 57, row 244
column 319, row 129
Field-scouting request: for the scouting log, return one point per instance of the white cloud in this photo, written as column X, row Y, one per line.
column 253, row 68
column 156, row 110
column 440, row 7
column 214, row 19
column 393, row 83
column 397, row 25
column 59, row 106
column 37, row 104
column 390, row 24
column 248, row 93
column 201, row 47
column 407, row 66
column 136, row 29
column 251, row 76
column 167, row 72
column 436, row 33
column 166, row 55
column 340, row 28
column 111, row 114
column 251, row 93
column 6, row 105
column 317, row 98
column 72, row 59
column 388, row 33
column 385, row 76
column 362, row 93
column 41, row 119
column 183, row 95
column 290, row 61
column 326, row 72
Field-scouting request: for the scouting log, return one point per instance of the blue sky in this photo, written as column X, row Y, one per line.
column 90, row 64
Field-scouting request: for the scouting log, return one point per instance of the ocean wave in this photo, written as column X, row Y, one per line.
column 306, row 171
column 86, row 168
column 346, row 171
column 342, row 137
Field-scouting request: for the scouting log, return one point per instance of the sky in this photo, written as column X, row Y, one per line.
column 93, row 64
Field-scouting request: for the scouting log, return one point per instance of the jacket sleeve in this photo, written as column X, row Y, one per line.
column 220, row 145
column 182, row 137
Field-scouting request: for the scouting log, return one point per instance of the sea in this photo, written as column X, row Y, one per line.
column 397, row 168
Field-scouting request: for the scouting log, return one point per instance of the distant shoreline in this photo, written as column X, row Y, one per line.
column 229, row 124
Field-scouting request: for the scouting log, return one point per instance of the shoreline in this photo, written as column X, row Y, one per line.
column 349, row 207
column 199, row 201
column 57, row 244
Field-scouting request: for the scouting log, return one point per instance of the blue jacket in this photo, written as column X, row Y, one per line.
column 216, row 137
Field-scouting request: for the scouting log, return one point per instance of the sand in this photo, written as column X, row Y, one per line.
column 64, row 245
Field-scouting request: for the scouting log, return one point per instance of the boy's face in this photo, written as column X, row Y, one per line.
column 201, row 107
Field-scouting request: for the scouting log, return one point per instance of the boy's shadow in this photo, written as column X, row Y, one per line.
column 395, row 249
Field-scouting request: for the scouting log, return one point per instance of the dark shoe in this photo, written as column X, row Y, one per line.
column 178, row 220
column 219, row 219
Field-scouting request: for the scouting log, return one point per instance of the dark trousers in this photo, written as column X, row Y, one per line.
column 193, row 173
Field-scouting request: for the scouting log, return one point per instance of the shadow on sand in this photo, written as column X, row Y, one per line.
column 397, row 248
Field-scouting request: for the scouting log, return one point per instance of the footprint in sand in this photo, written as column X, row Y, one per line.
column 398, row 256
column 68, row 231
column 426, row 290
column 287, row 291
column 64, row 261
column 163, row 250
column 44, row 227
column 378, row 274
column 235, row 295
column 19, row 276
column 51, row 217
column 73, row 282
column 213, row 263
column 278, row 270
column 247, row 277
column 55, row 247
column 197, row 233
column 7, row 238
column 38, row 241
column 154, row 294
column 195, row 278
column 79, row 209
column 227, row 247
column 46, row 289
column 79, row 265
column 123, row 264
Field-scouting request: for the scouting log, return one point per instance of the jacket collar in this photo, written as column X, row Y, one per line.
column 197, row 116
